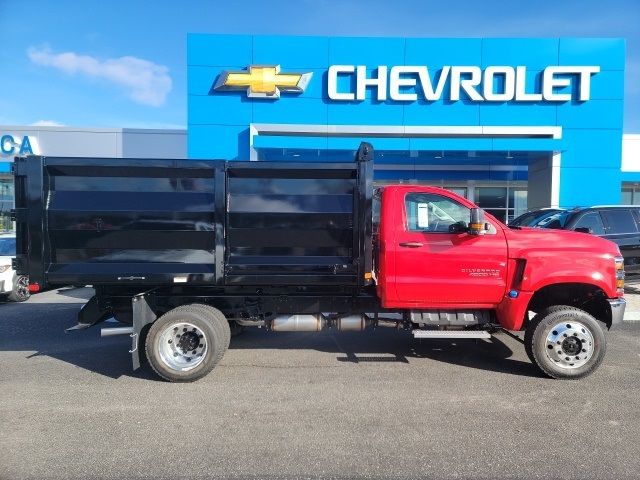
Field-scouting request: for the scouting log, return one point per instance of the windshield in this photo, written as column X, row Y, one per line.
column 7, row 246
column 557, row 220
column 531, row 219
column 523, row 220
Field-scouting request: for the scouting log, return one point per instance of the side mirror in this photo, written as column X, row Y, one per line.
column 476, row 225
column 583, row 230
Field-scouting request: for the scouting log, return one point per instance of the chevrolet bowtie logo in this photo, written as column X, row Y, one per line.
column 263, row 81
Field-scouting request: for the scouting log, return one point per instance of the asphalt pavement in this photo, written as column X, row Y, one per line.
column 307, row 405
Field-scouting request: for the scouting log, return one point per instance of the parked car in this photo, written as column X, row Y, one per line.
column 533, row 217
column 618, row 223
column 15, row 287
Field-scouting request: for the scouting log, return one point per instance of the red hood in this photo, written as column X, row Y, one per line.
column 524, row 240
column 560, row 256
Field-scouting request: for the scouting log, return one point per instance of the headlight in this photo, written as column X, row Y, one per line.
column 4, row 268
column 620, row 275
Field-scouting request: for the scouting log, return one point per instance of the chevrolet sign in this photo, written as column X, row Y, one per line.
column 406, row 83
column 493, row 84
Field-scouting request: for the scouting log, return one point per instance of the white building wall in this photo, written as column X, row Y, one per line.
column 540, row 183
column 99, row 142
column 154, row 143
column 631, row 153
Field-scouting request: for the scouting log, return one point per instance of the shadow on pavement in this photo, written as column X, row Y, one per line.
column 384, row 345
column 75, row 292
column 39, row 328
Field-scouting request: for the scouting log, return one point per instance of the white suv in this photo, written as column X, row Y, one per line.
column 16, row 286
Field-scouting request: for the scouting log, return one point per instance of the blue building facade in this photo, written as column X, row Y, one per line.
column 539, row 121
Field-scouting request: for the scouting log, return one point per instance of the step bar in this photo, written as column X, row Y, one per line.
column 110, row 332
column 450, row 334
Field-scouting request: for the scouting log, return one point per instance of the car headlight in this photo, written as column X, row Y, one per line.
column 4, row 268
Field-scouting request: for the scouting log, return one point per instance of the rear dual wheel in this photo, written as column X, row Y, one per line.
column 186, row 343
column 565, row 342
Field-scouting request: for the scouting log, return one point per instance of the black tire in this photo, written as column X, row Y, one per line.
column 212, row 311
column 543, row 326
column 20, row 292
column 206, row 321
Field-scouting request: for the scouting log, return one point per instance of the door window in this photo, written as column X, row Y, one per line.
column 620, row 221
column 427, row 212
column 592, row 221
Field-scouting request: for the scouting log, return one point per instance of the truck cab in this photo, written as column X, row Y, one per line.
column 429, row 260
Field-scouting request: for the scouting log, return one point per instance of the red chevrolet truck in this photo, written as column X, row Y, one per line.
column 185, row 252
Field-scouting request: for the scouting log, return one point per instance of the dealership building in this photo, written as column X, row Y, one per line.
column 512, row 124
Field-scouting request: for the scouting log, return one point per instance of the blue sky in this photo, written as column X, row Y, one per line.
column 104, row 42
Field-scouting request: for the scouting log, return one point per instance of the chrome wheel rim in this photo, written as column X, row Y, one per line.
column 569, row 344
column 182, row 346
column 22, row 288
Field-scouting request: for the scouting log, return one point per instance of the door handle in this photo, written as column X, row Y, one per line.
column 411, row 244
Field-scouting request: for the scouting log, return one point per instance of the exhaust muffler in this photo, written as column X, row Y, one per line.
column 318, row 322
column 298, row 323
column 352, row 323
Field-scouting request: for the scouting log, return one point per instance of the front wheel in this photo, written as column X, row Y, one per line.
column 565, row 342
column 185, row 343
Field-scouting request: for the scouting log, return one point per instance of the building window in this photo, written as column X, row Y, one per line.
column 519, row 202
column 504, row 203
column 458, row 191
column 630, row 196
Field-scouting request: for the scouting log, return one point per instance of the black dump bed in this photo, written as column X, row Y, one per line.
column 157, row 222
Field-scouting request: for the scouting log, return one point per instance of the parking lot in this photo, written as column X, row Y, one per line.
column 303, row 405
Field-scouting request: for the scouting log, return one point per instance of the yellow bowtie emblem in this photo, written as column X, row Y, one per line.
column 263, row 81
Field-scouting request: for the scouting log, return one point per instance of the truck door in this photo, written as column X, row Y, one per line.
column 437, row 263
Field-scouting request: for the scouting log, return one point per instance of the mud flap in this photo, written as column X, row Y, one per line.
column 142, row 316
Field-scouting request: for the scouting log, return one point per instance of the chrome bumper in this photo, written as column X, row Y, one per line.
column 618, row 306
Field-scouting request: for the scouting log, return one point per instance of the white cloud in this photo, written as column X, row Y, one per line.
column 145, row 82
column 47, row 123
